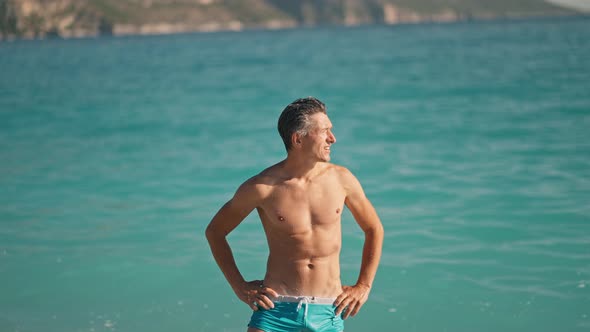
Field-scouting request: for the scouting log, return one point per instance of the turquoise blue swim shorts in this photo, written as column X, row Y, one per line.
column 298, row 313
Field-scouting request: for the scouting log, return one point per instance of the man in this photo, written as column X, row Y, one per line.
column 300, row 202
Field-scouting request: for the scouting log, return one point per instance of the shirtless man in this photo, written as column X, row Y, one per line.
column 300, row 202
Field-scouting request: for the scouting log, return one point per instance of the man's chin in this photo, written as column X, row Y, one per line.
column 323, row 158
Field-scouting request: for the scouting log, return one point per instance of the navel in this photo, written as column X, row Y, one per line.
column 281, row 218
column 310, row 266
column 337, row 211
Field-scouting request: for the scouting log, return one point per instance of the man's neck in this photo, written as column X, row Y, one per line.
column 303, row 169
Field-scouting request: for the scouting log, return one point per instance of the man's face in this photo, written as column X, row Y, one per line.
column 319, row 138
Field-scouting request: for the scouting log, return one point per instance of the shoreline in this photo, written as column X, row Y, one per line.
column 163, row 29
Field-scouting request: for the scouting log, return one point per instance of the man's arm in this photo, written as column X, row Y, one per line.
column 354, row 297
column 246, row 198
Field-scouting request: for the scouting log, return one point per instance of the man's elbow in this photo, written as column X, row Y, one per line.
column 210, row 233
column 213, row 233
column 375, row 230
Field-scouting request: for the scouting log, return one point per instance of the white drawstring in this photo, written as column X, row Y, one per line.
column 301, row 302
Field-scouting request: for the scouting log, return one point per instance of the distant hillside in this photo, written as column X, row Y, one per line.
column 78, row 18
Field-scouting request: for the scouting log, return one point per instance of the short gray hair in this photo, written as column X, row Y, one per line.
column 295, row 118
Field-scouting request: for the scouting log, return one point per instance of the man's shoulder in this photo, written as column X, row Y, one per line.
column 264, row 180
column 345, row 177
column 339, row 170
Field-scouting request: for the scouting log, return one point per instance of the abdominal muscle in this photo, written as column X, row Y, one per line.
column 304, row 266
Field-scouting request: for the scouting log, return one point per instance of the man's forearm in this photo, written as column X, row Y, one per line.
column 371, row 255
column 225, row 260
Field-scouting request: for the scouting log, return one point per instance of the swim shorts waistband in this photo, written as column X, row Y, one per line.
column 304, row 299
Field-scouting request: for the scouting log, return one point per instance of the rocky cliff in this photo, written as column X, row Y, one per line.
column 78, row 18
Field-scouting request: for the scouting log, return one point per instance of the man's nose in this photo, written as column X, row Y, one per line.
column 332, row 138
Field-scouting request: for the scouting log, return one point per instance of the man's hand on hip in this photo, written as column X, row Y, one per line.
column 256, row 295
column 351, row 299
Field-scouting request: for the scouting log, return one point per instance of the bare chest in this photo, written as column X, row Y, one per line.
column 299, row 206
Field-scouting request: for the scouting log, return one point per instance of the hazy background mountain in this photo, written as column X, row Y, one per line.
column 77, row 18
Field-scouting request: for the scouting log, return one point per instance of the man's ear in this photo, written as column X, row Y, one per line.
column 296, row 140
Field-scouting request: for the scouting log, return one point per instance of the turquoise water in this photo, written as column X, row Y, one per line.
column 470, row 139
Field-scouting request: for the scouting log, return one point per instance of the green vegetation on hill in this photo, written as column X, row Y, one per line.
column 66, row 18
column 477, row 7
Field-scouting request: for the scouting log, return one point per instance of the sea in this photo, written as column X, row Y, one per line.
column 471, row 139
